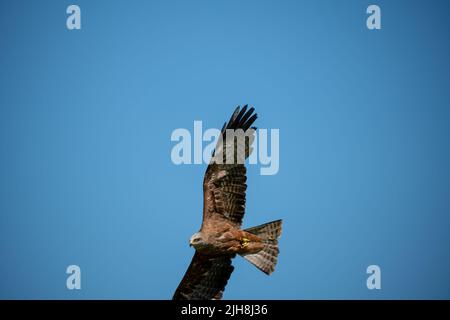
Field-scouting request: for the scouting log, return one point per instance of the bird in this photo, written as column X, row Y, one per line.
column 220, row 237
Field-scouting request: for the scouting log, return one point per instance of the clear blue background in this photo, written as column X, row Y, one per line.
column 86, row 116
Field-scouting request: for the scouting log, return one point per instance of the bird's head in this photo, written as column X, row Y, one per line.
column 196, row 240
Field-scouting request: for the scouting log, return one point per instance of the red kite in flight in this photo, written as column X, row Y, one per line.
column 220, row 237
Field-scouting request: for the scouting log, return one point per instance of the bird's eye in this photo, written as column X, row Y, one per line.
column 196, row 240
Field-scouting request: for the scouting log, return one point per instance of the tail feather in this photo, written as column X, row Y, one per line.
column 267, row 258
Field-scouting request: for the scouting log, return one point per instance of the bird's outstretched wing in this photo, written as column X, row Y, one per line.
column 205, row 278
column 224, row 184
column 224, row 189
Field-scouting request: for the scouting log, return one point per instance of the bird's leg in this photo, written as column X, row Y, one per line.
column 244, row 242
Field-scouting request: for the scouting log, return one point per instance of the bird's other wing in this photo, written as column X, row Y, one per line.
column 224, row 184
column 205, row 278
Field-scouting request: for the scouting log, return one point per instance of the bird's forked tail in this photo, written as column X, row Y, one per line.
column 266, row 259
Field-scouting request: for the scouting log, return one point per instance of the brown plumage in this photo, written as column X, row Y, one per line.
column 220, row 237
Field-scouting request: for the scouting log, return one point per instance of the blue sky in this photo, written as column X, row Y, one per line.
column 86, row 117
